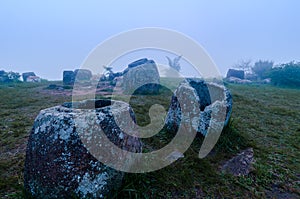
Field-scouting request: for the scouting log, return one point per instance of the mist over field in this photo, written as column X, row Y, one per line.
column 49, row 37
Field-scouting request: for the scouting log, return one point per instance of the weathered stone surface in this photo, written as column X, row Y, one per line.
column 141, row 75
column 241, row 164
column 3, row 76
column 202, row 92
column 80, row 75
column 211, row 97
column 238, row 80
column 83, row 74
column 110, row 76
column 58, row 164
column 235, row 73
column 26, row 75
column 138, row 62
column 33, row 79
column 68, row 77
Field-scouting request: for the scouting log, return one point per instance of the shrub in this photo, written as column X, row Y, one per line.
column 7, row 77
column 286, row 75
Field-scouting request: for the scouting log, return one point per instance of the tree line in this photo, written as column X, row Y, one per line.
column 287, row 74
column 10, row 76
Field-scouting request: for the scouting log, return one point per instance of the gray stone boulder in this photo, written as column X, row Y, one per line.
column 141, row 76
column 138, row 62
column 202, row 92
column 68, row 77
column 266, row 81
column 58, row 164
column 241, row 164
column 83, row 74
column 235, row 73
column 26, row 75
column 211, row 97
column 110, row 76
column 33, row 79
column 236, row 80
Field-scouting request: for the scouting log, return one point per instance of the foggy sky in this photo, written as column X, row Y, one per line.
column 49, row 36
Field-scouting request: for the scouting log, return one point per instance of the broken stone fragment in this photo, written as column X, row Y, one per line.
column 212, row 98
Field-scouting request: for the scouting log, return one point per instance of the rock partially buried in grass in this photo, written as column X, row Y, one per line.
column 241, row 164
column 58, row 165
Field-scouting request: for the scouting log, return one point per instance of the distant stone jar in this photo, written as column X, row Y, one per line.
column 68, row 77
column 235, row 73
column 83, row 74
column 26, row 75
column 141, row 77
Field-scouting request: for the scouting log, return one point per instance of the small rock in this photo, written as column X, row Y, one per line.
column 175, row 155
column 241, row 164
column 238, row 80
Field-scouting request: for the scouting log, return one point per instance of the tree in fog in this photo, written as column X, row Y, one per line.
column 286, row 75
column 262, row 68
column 244, row 65
column 9, row 76
column 174, row 63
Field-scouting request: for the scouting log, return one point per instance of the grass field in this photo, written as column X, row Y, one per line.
column 264, row 117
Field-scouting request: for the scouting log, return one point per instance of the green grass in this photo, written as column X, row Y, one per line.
column 20, row 104
column 264, row 117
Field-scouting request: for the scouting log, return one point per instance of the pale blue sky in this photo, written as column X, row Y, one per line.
column 49, row 36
